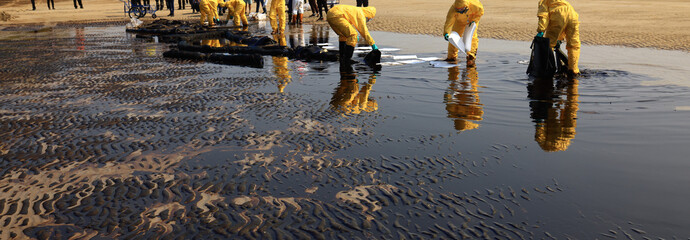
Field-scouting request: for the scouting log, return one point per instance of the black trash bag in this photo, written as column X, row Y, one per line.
column 249, row 60
column 542, row 62
column 307, row 53
column 373, row 58
column 196, row 56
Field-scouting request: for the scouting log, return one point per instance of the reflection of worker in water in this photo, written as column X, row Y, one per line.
column 462, row 99
column 460, row 15
column 346, row 21
column 319, row 34
column 348, row 98
column 235, row 12
column 276, row 14
column 280, row 65
column 79, row 38
column 558, row 21
column 297, row 39
column 211, row 42
column 282, row 72
column 555, row 118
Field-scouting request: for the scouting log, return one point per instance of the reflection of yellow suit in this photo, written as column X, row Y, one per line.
column 462, row 99
column 347, row 20
column 211, row 43
column 236, row 9
column 348, row 98
column 556, row 131
column 558, row 20
column 280, row 68
column 457, row 22
column 276, row 14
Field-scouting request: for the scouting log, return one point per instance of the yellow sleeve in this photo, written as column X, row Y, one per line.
column 450, row 20
column 361, row 25
column 543, row 15
column 477, row 13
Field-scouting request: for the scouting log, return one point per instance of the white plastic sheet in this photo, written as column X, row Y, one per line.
column 463, row 43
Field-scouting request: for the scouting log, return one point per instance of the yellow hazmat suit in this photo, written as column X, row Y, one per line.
column 555, row 132
column 349, row 99
column 347, row 20
column 280, row 65
column 282, row 72
column 214, row 8
column 461, row 14
column 211, row 42
column 462, row 99
column 207, row 13
column 558, row 20
column 276, row 14
column 236, row 9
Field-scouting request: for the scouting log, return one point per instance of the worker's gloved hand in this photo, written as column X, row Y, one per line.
column 540, row 34
column 374, row 47
column 445, row 36
column 470, row 23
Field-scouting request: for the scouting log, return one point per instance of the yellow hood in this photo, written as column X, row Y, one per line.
column 460, row 3
column 369, row 12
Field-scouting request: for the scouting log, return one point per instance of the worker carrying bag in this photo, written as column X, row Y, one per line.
column 542, row 62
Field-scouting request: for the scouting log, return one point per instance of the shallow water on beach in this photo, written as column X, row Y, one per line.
column 102, row 136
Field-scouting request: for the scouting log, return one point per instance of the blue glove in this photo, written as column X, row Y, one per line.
column 445, row 36
column 374, row 47
column 540, row 34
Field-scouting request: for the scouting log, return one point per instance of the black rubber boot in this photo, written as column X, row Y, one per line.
column 346, row 52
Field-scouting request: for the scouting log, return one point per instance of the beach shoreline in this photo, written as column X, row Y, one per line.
column 628, row 24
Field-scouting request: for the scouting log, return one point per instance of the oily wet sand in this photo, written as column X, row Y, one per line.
column 105, row 138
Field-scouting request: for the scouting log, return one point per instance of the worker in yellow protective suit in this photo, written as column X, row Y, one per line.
column 346, row 21
column 462, row 99
column 559, row 21
column 236, row 12
column 207, row 12
column 555, row 117
column 460, row 15
column 276, row 14
column 214, row 9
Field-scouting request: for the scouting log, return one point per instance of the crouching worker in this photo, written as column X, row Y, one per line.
column 346, row 21
column 559, row 21
column 208, row 12
column 235, row 11
column 460, row 15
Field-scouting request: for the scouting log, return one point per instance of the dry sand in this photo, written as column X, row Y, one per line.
column 634, row 23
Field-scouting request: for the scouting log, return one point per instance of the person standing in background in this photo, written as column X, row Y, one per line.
column 49, row 2
column 81, row 6
column 312, row 5
column 171, row 6
column 261, row 3
column 248, row 5
column 33, row 4
column 362, row 3
column 322, row 4
column 180, row 4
